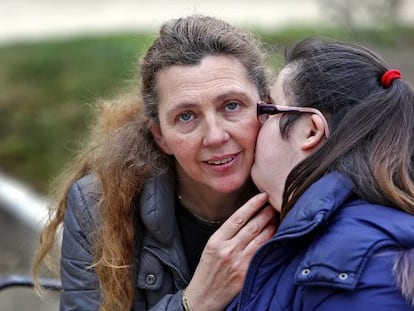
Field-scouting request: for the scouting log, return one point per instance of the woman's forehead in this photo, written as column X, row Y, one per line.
column 216, row 76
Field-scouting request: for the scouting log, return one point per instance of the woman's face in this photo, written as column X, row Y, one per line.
column 207, row 115
column 275, row 156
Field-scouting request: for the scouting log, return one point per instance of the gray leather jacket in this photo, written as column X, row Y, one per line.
column 160, row 263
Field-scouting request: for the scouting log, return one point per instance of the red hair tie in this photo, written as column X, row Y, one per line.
column 389, row 76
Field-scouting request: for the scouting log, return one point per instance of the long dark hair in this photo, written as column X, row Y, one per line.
column 372, row 126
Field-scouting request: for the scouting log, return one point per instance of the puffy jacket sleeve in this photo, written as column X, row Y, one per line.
column 168, row 303
column 79, row 281
column 376, row 290
column 80, row 284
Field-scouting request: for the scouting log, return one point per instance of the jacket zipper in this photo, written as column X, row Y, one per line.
column 262, row 253
column 173, row 267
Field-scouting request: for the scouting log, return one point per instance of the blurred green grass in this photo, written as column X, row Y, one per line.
column 47, row 88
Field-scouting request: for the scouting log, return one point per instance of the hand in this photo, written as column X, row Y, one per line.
column 220, row 273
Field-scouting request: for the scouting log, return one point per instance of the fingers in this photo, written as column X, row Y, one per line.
column 257, row 230
column 240, row 217
column 261, row 238
column 245, row 232
column 227, row 254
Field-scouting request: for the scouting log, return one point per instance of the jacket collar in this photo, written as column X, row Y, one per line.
column 161, row 242
column 157, row 208
column 317, row 204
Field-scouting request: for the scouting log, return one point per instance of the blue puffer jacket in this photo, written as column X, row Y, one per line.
column 160, row 263
column 332, row 252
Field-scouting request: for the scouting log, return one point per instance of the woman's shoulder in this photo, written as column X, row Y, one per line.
column 85, row 192
column 83, row 203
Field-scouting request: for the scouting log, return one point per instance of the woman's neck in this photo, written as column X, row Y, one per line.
column 211, row 205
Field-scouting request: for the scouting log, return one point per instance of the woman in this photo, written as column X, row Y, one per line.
column 158, row 179
column 346, row 237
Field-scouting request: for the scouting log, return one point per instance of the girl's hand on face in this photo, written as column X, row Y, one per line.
column 223, row 264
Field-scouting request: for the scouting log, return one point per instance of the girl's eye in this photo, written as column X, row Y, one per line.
column 232, row 106
column 185, row 116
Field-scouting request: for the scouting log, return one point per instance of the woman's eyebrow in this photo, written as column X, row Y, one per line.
column 180, row 107
column 232, row 94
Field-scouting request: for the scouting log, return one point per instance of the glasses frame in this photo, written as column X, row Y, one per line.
column 265, row 110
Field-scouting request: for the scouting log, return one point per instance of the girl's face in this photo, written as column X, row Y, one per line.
column 207, row 115
column 276, row 156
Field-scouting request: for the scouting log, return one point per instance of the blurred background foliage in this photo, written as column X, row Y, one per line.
column 47, row 88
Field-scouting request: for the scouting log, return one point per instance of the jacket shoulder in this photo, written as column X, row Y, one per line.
column 79, row 281
column 375, row 290
column 82, row 213
column 344, row 244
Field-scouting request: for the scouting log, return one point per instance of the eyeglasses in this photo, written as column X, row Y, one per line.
column 265, row 110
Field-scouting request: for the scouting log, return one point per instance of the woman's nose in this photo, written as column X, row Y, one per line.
column 215, row 133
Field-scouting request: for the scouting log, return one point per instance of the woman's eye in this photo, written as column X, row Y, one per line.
column 185, row 116
column 232, row 106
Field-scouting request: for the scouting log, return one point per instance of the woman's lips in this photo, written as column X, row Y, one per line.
column 222, row 163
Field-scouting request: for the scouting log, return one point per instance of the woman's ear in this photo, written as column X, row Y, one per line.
column 314, row 134
column 159, row 138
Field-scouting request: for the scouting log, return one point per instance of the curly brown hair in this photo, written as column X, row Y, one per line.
column 123, row 154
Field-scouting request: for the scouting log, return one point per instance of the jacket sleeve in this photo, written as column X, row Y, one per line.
column 79, row 281
column 169, row 303
column 80, row 284
column 376, row 290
